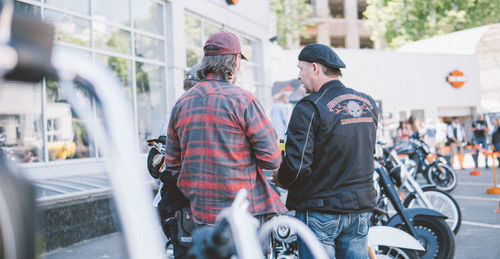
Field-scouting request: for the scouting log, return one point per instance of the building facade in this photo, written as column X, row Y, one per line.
column 405, row 84
column 148, row 44
column 338, row 23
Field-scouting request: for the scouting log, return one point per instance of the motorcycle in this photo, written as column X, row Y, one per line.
column 392, row 243
column 142, row 236
column 434, row 168
column 427, row 196
column 426, row 225
column 235, row 231
column 27, row 55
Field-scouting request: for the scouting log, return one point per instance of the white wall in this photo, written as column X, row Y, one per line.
column 402, row 81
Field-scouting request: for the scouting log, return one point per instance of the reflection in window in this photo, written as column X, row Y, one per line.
column 150, row 83
column 80, row 6
column 69, row 28
column 20, row 121
column 192, row 28
column 336, row 8
column 209, row 30
column 247, row 47
column 114, row 11
column 195, row 37
column 337, row 42
column 361, row 8
column 122, row 68
column 111, row 21
column 246, row 78
column 73, row 51
column 365, row 43
column 248, row 72
column 147, row 47
column 66, row 136
column 111, row 38
column 193, row 56
column 148, row 16
column 21, row 8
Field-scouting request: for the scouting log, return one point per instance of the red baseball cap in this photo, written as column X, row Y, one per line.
column 227, row 43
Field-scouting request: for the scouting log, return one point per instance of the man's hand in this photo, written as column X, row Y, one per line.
column 275, row 178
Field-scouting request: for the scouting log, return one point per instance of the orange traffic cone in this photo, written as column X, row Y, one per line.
column 494, row 189
column 498, row 209
column 475, row 172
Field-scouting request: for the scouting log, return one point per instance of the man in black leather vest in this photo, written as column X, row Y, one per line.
column 328, row 166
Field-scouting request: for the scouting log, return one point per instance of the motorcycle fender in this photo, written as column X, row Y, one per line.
column 412, row 212
column 392, row 237
column 428, row 186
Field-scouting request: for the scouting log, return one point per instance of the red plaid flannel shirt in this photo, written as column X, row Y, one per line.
column 218, row 141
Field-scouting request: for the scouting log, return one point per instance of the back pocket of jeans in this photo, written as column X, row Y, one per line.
column 363, row 223
column 324, row 226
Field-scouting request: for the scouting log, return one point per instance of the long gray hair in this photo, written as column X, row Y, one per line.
column 222, row 64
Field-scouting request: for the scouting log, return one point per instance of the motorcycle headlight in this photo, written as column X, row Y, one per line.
column 283, row 231
column 285, row 234
column 398, row 175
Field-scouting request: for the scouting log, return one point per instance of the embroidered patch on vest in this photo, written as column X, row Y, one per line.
column 353, row 106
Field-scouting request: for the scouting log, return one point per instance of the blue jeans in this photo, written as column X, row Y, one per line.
column 342, row 235
column 475, row 155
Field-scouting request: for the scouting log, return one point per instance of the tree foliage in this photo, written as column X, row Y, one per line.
column 400, row 21
column 291, row 18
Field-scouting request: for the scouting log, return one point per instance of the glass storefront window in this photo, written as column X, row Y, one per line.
column 79, row 6
column 197, row 29
column 147, row 47
column 70, row 29
column 114, row 11
column 66, row 136
column 26, row 9
column 122, row 68
column 150, row 84
column 21, row 121
column 101, row 30
column 192, row 26
column 247, row 48
column 148, row 16
column 246, row 77
column 196, row 32
column 248, row 72
column 210, row 29
column 112, row 38
column 193, row 56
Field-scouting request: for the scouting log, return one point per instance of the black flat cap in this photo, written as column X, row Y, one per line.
column 322, row 54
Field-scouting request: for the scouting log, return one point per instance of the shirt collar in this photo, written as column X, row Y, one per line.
column 331, row 83
column 215, row 77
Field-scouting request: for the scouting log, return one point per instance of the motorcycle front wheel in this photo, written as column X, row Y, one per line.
column 442, row 176
column 435, row 236
column 385, row 252
column 442, row 202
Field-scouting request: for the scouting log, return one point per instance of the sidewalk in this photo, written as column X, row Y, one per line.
column 106, row 247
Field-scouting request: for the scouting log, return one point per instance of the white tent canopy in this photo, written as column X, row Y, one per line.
column 483, row 41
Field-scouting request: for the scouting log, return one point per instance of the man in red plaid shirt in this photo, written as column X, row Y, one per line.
column 219, row 139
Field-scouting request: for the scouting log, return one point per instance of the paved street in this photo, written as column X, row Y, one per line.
column 479, row 236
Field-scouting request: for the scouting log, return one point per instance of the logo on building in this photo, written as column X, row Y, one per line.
column 456, row 78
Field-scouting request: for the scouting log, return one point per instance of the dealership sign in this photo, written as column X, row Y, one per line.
column 456, row 78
